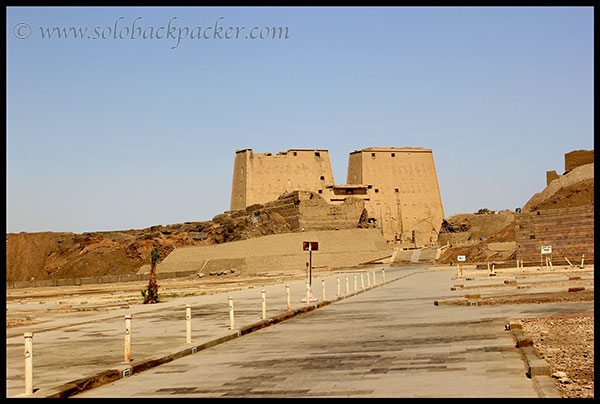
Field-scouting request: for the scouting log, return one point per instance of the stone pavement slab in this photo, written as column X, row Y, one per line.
column 79, row 345
column 388, row 342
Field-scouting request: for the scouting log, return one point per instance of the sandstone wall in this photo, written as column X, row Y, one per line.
column 578, row 158
column 403, row 192
column 570, row 232
column 397, row 186
column 280, row 251
column 551, row 176
column 309, row 211
column 263, row 177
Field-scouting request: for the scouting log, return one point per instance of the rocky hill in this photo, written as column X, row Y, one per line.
column 49, row 255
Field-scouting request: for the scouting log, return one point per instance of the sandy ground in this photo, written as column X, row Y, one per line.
column 566, row 344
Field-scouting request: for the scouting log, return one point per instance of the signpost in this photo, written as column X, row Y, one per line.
column 310, row 246
column 545, row 250
column 460, row 259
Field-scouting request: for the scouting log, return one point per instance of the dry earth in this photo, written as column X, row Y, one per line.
column 568, row 347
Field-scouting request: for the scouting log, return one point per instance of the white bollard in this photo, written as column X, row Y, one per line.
column 307, row 293
column 374, row 279
column 382, row 275
column 188, row 323
column 287, row 295
column 355, row 283
column 127, row 353
column 339, row 288
column 362, row 282
column 582, row 257
column 323, row 287
column 264, row 304
column 28, row 363
column 368, row 280
column 231, row 322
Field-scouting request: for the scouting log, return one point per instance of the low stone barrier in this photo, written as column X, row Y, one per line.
column 95, row 280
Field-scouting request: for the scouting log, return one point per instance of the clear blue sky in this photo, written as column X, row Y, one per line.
column 112, row 134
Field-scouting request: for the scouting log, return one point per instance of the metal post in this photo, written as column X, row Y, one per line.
column 355, row 283
column 382, row 275
column 127, row 356
column 28, row 363
column 188, row 323
column 582, row 257
column 368, row 280
column 569, row 262
column 362, row 282
column 287, row 295
column 323, row 287
column 374, row 278
column 231, row 323
column 264, row 304
column 347, row 286
column 339, row 288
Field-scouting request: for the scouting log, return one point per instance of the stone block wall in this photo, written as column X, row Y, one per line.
column 551, row 176
column 570, row 232
column 578, row 158
column 262, row 177
column 404, row 194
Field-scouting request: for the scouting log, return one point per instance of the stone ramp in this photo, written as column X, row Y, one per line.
column 421, row 255
column 337, row 248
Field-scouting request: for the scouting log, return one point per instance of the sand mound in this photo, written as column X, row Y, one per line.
column 575, row 188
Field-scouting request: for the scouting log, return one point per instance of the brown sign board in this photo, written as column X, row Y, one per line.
column 310, row 245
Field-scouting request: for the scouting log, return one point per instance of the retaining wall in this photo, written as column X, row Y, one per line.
column 95, row 280
column 570, row 232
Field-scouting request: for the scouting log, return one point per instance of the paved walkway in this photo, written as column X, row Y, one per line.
column 389, row 341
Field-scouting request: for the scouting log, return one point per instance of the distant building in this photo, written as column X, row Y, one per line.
column 399, row 186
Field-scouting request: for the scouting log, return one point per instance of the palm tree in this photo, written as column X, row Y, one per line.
column 151, row 294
